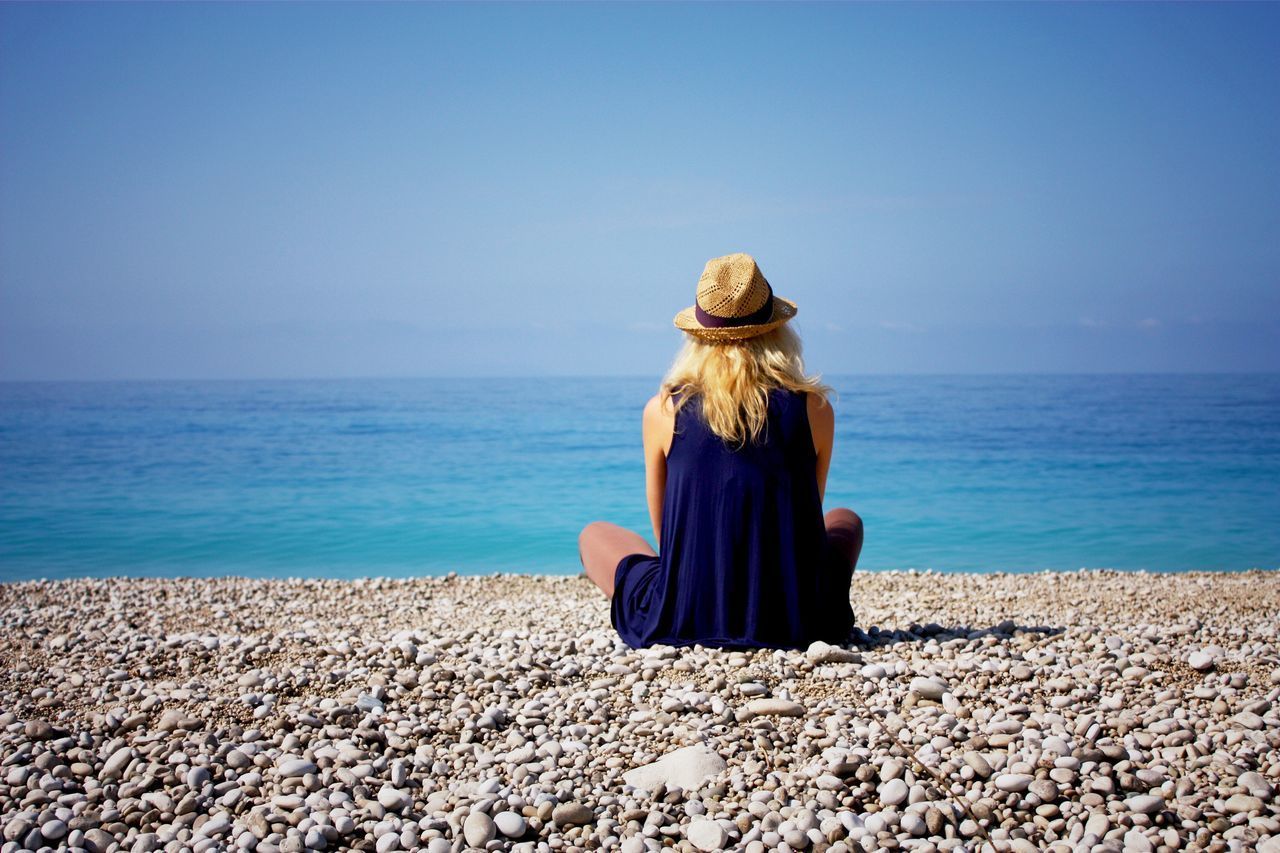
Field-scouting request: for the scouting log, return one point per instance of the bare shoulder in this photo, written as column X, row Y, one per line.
column 821, row 414
column 657, row 410
column 659, row 422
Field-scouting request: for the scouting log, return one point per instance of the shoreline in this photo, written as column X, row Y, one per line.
column 1022, row 710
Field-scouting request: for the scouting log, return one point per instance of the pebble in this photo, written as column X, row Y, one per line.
column 1014, row 782
column 978, row 764
column 297, row 767
column 771, row 706
column 1144, row 804
column 820, row 652
column 688, row 768
column 393, row 798
column 1256, row 785
column 1243, row 804
column 706, row 835
column 929, row 688
column 479, row 829
column 1045, row 789
column 510, row 824
column 1200, row 661
column 572, row 813
column 893, row 792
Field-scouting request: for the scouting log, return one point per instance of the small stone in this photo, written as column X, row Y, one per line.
column 1256, row 785
column 913, row 824
column 978, row 764
column 1014, row 782
column 706, row 834
column 38, row 730
column 393, row 798
column 1200, row 661
column 1248, row 720
column 820, row 652
column 116, row 764
column 478, row 829
column 770, row 706
column 572, row 813
column 1144, row 804
column 1135, row 841
column 829, row 782
column 293, row 767
column 97, row 841
column 1045, row 789
column 510, row 824
column 688, row 768
column 929, row 688
column 1243, row 804
column 893, row 792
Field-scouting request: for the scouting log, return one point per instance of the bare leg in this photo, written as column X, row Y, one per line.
column 602, row 545
column 844, row 531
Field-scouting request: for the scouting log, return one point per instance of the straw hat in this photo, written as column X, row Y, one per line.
column 734, row 302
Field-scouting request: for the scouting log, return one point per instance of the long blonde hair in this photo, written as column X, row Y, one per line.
column 734, row 379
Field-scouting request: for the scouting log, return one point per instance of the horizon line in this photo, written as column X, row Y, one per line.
column 597, row 376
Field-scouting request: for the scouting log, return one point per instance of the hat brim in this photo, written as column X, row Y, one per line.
column 783, row 310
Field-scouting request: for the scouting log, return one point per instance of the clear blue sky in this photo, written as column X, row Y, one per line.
column 281, row 190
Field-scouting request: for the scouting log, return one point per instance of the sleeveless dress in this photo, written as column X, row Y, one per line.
column 744, row 560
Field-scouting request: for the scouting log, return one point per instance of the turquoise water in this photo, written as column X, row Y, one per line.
column 421, row 476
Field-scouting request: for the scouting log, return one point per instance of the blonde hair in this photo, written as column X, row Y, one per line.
column 734, row 379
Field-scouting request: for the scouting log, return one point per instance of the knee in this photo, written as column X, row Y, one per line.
column 844, row 518
column 591, row 531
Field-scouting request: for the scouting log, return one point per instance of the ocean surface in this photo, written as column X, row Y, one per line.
column 401, row 477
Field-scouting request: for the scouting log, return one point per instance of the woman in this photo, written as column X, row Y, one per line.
column 737, row 445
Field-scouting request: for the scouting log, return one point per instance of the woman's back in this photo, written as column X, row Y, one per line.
column 744, row 557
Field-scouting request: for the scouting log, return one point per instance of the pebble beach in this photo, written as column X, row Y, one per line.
column 1069, row 711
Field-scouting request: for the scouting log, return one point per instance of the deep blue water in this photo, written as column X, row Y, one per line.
column 422, row 476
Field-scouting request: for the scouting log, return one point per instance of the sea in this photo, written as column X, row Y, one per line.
column 404, row 477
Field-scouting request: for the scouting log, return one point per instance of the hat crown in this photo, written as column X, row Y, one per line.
column 732, row 286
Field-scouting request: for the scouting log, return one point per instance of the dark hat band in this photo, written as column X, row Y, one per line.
column 760, row 315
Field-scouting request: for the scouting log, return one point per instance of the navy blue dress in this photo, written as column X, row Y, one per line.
column 744, row 558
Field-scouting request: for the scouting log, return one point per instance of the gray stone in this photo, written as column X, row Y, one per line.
column 1144, row 804
column 393, row 798
column 706, row 835
column 1256, row 785
column 1243, row 804
column 1014, row 782
column 478, row 829
column 770, row 706
column 291, row 767
column 929, row 688
column 1045, row 789
column 820, row 652
column 978, row 764
column 116, row 764
column 572, row 813
column 893, row 792
column 510, row 824
column 687, row 768
column 1200, row 661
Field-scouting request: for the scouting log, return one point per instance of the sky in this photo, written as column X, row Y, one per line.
column 276, row 190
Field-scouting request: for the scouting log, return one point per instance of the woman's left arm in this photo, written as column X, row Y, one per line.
column 656, row 430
